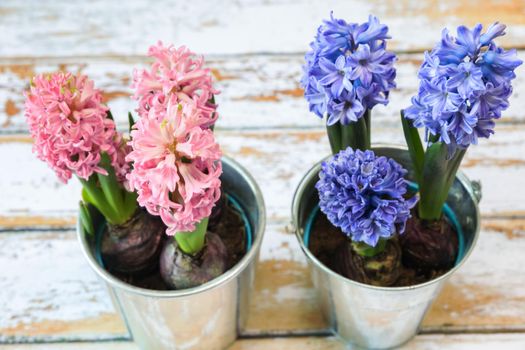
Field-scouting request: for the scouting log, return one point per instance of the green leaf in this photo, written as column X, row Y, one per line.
column 192, row 242
column 439, row 172
column 110, row 115
column 130, row 204
column 112, row 189
column 452, row 168
column 362, row 135
column 368, row 251
column 348, row 136
column 131, row 121
column 415, row 147
column 85, row 218
column 434, row 178
column 334, row 136
column 92, row 194
column 212, row 101
column 368, row 126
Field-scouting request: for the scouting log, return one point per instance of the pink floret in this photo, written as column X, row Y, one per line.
column 70, row 127
column 176, row 165
column 175, row 72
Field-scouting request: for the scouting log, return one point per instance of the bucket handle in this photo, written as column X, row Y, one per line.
column 476, row 190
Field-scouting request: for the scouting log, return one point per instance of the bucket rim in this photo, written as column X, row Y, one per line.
column 235, row 271
column 296, row 202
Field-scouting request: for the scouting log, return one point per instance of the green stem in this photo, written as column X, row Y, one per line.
column 368, row 251
column 439, row 172
column 362, row 134
column 85, row 218
column 192, row 242
column 106, row 194
column 368, row 127
column 111, row 188
column 348, row 136
column 355, row 135
column 415, row 147
column 94, row 195
column 334, row 136
column 131, row 122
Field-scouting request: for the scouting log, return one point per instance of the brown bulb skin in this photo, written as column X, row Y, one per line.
column 133, row 248
column 382, row 269
column 180, row 270
column 429, row 244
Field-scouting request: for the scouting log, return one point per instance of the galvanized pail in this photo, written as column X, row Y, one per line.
column 380, row 317
column 205, row 317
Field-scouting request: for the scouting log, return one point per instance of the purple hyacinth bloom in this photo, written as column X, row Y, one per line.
column 467, row 78
column 430, row 68
column 494, row 98
column 448, row 50
column 337, row 75
column 439, row 98
column 364, row 195
column 317, row 95
column 371, row 95
column 465, row 84
column 469, row 39
column 366, row 64
column 495, row 30
column 350, row 61
column 371, row 31
column 347, row 109
column 498, row 65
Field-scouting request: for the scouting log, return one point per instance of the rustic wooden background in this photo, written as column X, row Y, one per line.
column 49, row 297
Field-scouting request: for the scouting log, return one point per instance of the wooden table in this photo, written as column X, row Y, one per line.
column 49, row 297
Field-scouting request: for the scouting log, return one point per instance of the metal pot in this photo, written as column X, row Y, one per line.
column 381, row 317
column 205, row 317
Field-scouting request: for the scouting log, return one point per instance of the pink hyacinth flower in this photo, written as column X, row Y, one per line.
column 175, row 72
column 176, row 165
column 70, row 127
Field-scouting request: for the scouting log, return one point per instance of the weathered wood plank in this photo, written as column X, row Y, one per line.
column 257, row 91
column 65, row 28
column 420, row 342
column 77, row 346
column 49, row 292
column 59, row 298
column 277, row 158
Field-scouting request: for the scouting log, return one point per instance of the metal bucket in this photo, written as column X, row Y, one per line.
column 380, row 317
column 205, row 317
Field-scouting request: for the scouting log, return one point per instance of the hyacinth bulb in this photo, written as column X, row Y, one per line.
column 382, row 269
column 429, row 244
column 133, row 247
column 180, row 270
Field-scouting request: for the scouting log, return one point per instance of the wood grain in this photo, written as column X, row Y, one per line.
column 49, row 295
column 256, row 92
column 420, row 342
column 278, row 158
column 65, row 28
column 60, row 298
